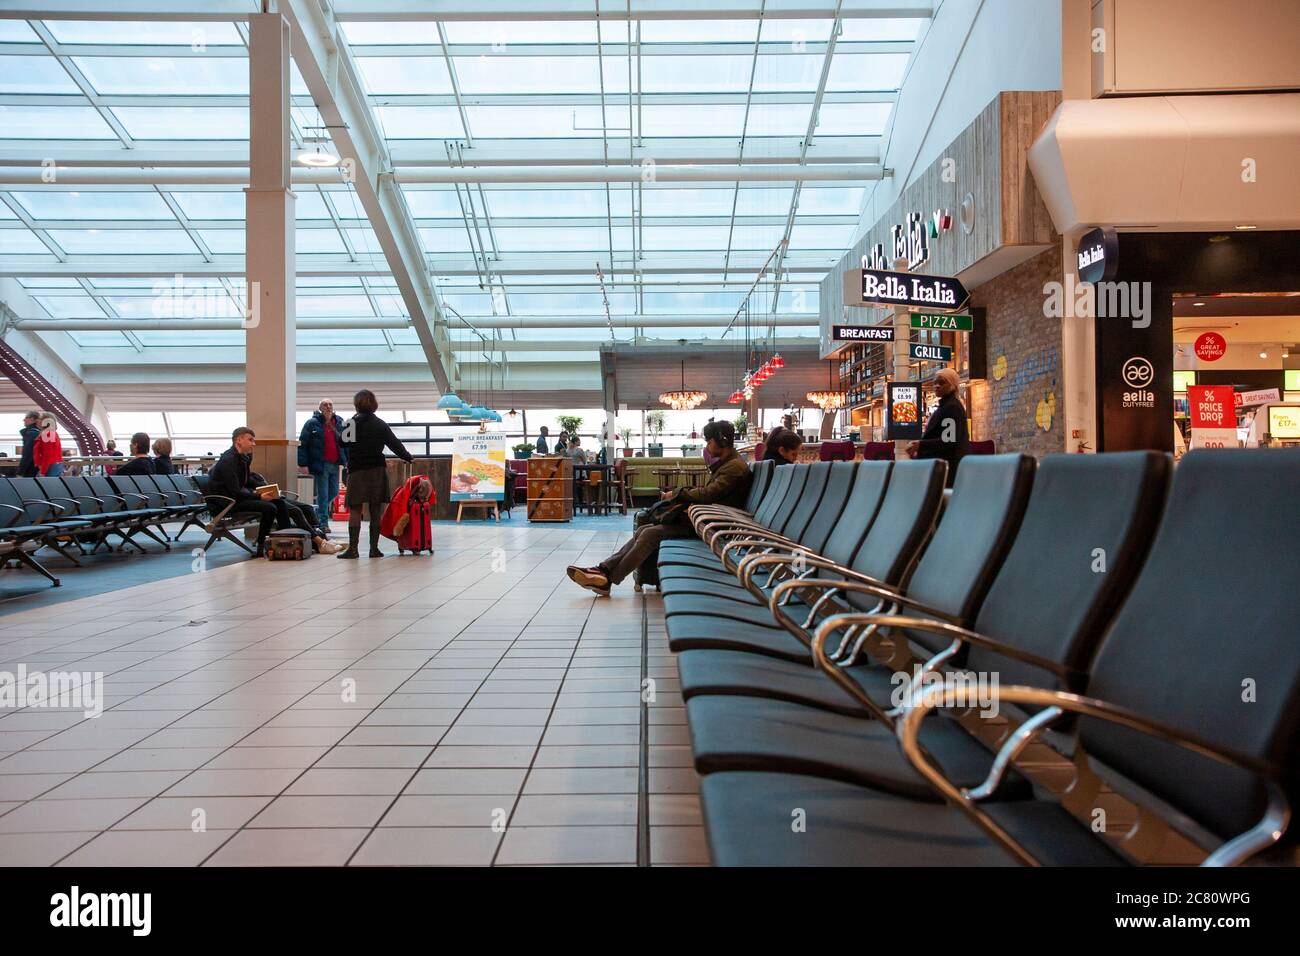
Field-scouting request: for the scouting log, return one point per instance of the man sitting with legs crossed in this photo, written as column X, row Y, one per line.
column 728, row 485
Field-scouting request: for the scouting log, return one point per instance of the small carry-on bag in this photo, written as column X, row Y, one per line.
column 291, row 544
column 647, row 575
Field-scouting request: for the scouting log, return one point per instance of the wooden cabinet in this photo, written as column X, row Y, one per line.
column 550, row 488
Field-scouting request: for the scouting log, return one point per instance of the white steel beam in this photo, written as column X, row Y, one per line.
column 327, row 69
column 520, row 322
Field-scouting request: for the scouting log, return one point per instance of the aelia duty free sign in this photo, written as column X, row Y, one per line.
column 877, row 287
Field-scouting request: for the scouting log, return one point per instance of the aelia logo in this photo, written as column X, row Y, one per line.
column 1210, row 347
column 1138, row 372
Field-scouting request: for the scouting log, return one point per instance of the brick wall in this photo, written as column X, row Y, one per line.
column 1023, row 390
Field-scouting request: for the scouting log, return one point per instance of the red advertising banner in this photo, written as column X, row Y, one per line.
column 1211, row 406
column 1213, row 416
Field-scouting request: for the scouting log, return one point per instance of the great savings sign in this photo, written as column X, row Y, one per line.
column 1210, row 347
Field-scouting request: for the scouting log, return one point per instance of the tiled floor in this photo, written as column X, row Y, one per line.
column 472, row 708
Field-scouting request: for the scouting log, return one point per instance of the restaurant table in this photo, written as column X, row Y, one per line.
column 670, row 479
column 596, row 496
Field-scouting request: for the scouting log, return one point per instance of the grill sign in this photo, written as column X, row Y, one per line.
column 930, row 353
column 862, row 333
column 903, row 288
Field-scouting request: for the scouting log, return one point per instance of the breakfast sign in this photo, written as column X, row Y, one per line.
column 478, row 467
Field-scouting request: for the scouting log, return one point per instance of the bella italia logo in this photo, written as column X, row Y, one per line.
column 67, row 690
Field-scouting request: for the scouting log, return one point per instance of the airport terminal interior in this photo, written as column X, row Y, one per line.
column 673, row 433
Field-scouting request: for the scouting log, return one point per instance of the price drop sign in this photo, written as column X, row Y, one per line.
column 1213, row 416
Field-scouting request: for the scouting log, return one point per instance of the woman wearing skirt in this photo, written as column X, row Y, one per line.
column 366, row 436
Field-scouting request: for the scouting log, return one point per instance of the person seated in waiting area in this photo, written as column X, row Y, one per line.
column 233, row 477
column 162, row 462
column 782, row 446
column 728, row 484
column 139, row 463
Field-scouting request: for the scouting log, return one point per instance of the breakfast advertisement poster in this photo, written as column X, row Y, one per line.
column 478, row 467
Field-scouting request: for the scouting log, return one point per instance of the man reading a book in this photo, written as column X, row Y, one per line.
column 233, row 477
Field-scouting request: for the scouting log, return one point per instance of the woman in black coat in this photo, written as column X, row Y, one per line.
column 366, row 436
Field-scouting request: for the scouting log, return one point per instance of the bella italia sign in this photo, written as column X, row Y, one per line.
column 877, row 287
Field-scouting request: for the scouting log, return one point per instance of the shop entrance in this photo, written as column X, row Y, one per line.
column 1158, row 295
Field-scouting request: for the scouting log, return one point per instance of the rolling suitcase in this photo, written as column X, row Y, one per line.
column 291, row 544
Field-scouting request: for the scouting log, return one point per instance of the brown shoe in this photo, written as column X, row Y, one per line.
column 593, row 579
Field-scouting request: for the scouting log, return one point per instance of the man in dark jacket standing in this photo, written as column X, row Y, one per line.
column 321, row 453
column 946, row 435
column 30, row 431
column 728, row 484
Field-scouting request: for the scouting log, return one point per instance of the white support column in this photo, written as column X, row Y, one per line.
column 271, row 371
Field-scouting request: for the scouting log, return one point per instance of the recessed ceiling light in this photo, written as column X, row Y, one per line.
column 1263, row 353
column 1198, row 304
column 1244, row 227
column 1219, row 238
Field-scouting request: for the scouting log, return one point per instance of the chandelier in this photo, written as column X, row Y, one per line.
column 830, row 400
column 683, row 399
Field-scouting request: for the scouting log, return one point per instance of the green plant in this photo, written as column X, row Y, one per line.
column 569, row 423
column 654, row 422
column 742, row 425
column 625, row 434
column 523, row 446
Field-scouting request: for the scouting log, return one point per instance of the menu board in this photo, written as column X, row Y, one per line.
column 904, row 421
column 478, row 467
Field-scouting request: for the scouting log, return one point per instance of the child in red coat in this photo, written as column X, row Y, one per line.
column 407, row 518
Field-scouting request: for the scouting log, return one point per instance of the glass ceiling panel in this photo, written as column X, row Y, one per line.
column 796, row 31
column 779, row 119
column 789, row 72
column 91, row 340
column 53, row 122
column 544, row 239
column 385, row 33
column 421, row 122
column 72, row 306
column 184, row 122
column 662, row 120
column 34, row 74
column 124, row 241
column 830, row 200
column 20, row 242
column 765, row 202
column 40, row 282
column 574, row 303
column 340, row 337
column 689, row 303
column 558, row 203
column 194, row 338
column 528, row 74
column 433, row 203
column 404, row 74
column 853, row 119
column 15, row 31
column 683, row 74
column 6, row 212
column 150, row 32
column 821, row 237
column 542, row 120
column 686, row 201
column 498, row 33
column 679, row 31
column 324, row 306
column 866, row 71
column 94, row 205
column 210, row 75
column 868, row 28
column 444, row 240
